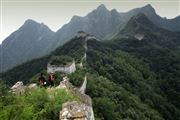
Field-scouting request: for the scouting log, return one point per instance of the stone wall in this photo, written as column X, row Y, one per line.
column 74, row 110
column 139, row 36
column 84, row 98
column 68, row 69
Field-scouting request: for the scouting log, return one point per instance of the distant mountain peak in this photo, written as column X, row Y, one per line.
column 101, row 10
column 30, row 21
column 148, row 8
column 114, row 11
column 138, row 24
column 142, row 19
column 75, row 18
column 101, row 7
column 30, row 24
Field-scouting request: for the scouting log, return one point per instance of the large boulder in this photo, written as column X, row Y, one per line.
column 32, row 86
column 18, row 88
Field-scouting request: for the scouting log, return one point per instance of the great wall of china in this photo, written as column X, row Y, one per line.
column 73, row 110
column 70, row 110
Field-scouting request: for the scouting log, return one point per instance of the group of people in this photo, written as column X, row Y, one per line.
column 43, row 82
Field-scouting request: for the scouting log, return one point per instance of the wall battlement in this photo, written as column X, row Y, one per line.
column 74, row 110
column 68, row 69
column 83, row 97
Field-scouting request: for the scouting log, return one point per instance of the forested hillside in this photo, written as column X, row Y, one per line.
column 128, row 78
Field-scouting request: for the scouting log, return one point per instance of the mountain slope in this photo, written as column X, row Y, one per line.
column 127, row 78
column 136, row 76
column 103, row 23
column 23, row 72
column 103, row 87
column 99, row 22
column 149, row 11
column 28, row 42
column 140, row 24
column 157, row 43
column 159, row 48
column 37, row 40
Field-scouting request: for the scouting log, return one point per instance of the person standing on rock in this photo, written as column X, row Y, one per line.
column 42, row 80
column 51, row 79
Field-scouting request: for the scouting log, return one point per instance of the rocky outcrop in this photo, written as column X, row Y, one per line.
column 32, row 86
column 18, row 88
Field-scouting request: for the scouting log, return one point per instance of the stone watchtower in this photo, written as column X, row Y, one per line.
column 68, row 69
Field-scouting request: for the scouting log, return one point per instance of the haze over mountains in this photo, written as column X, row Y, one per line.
column 33, row 40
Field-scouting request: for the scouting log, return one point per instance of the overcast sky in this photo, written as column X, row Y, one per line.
column 55, row 13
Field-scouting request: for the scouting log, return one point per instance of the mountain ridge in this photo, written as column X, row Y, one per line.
column 124, row 75
column 26, row 43
column 101, row 22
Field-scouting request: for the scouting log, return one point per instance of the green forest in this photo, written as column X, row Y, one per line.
column 127, row 79
column 35, row 104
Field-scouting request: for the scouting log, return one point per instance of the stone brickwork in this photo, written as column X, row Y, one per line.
column 139, row 36
column 74, row 110
column 68, row 69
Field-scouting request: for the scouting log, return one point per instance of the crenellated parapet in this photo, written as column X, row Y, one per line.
column 68, row 69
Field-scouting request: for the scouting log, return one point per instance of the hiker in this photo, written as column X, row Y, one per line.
column 42, row 80
column 51, row 79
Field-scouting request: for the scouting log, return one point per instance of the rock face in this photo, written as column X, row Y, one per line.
column 28, row 42
column 18, row 88
column 32, row 86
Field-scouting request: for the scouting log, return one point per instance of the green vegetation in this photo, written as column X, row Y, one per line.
column 127, row 79
column 25, row 71
column 36, row 104
column 136, row 74
column 73, row 49
column 60, row 60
